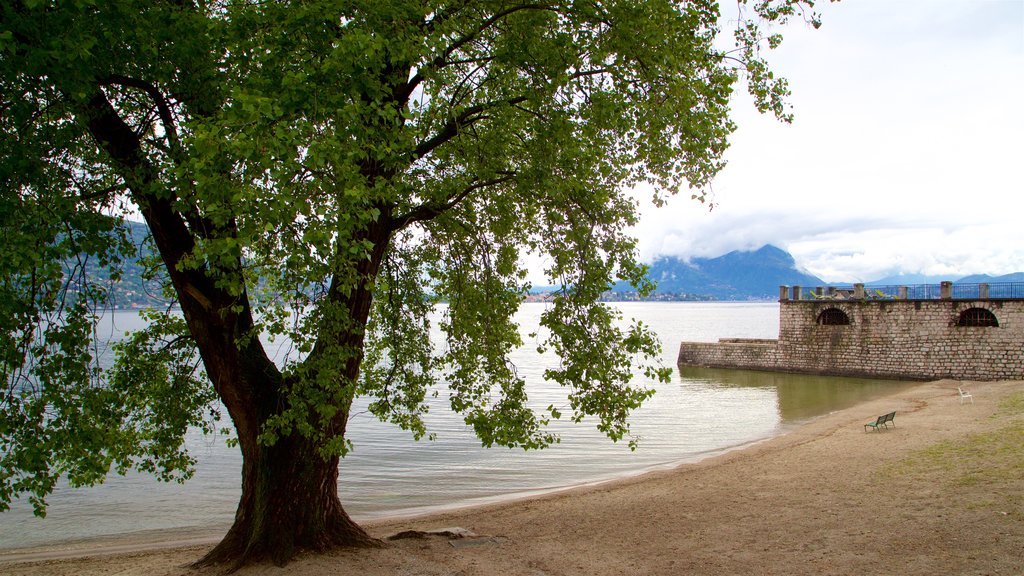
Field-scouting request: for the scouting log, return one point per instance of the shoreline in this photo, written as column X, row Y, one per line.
column 193, row 536
column 806, row 501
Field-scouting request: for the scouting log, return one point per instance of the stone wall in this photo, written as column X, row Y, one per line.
column 733, row 353
column 906, row 339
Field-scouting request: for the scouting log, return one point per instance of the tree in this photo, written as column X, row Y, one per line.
column 329, row 171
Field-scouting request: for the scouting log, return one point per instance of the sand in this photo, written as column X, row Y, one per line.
column 941, row 493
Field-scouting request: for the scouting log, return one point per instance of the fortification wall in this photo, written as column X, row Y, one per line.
column 733, row 353
column 907, row 339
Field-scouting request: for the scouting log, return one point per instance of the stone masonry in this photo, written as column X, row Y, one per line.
column 898, row 338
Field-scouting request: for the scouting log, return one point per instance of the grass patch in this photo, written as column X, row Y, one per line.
column 996, row 455
column 1012, row 405
column 988, row 466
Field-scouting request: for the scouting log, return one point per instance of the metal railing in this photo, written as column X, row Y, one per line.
column 946, row 290
column 996, row 290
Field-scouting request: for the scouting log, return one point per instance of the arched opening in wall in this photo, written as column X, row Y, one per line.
column 977, row 317
column 833, row 317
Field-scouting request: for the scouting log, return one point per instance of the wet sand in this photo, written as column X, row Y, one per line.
column 940, row 493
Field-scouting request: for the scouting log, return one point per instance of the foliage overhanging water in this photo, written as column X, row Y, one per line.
column 700, row 413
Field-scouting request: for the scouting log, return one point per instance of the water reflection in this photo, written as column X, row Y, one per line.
column 799, row 397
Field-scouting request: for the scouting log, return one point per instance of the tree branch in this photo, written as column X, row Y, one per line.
column 201, row 226
column 431, row 210
column 207, row 308
column 162, row 106
column 455, row 125
column 440, row 61
column 97, row 194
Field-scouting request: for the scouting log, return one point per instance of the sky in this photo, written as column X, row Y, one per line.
column 905, row 156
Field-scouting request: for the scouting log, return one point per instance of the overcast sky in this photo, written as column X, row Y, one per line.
column 905, row 155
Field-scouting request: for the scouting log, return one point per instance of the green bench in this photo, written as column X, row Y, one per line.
column 881, row 421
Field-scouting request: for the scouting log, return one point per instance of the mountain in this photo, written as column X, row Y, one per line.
column 911, row 279
column 907, row 280
column 737, row 275
column 986, row 279
column 132, row 290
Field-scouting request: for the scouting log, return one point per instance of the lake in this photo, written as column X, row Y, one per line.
column 700, row 413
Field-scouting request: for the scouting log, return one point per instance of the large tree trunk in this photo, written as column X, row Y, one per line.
column 289, row 503
column 289, row 490
column 289, row 497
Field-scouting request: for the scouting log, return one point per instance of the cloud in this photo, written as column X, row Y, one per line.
column 905, row 154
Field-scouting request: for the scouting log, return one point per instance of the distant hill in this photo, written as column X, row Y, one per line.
column 132, row 291
column 757, row 275
column 738, row 275
column 907, row 279
column 910, row 279
column 986, row 279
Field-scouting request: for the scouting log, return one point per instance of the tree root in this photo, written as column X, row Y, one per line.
column 239, row 549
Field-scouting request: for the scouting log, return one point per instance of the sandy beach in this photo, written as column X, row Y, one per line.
column 940, row 493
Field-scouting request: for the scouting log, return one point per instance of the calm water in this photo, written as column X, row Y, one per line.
column 700, row 413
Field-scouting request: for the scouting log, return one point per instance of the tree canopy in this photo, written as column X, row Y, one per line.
column 329, row 171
